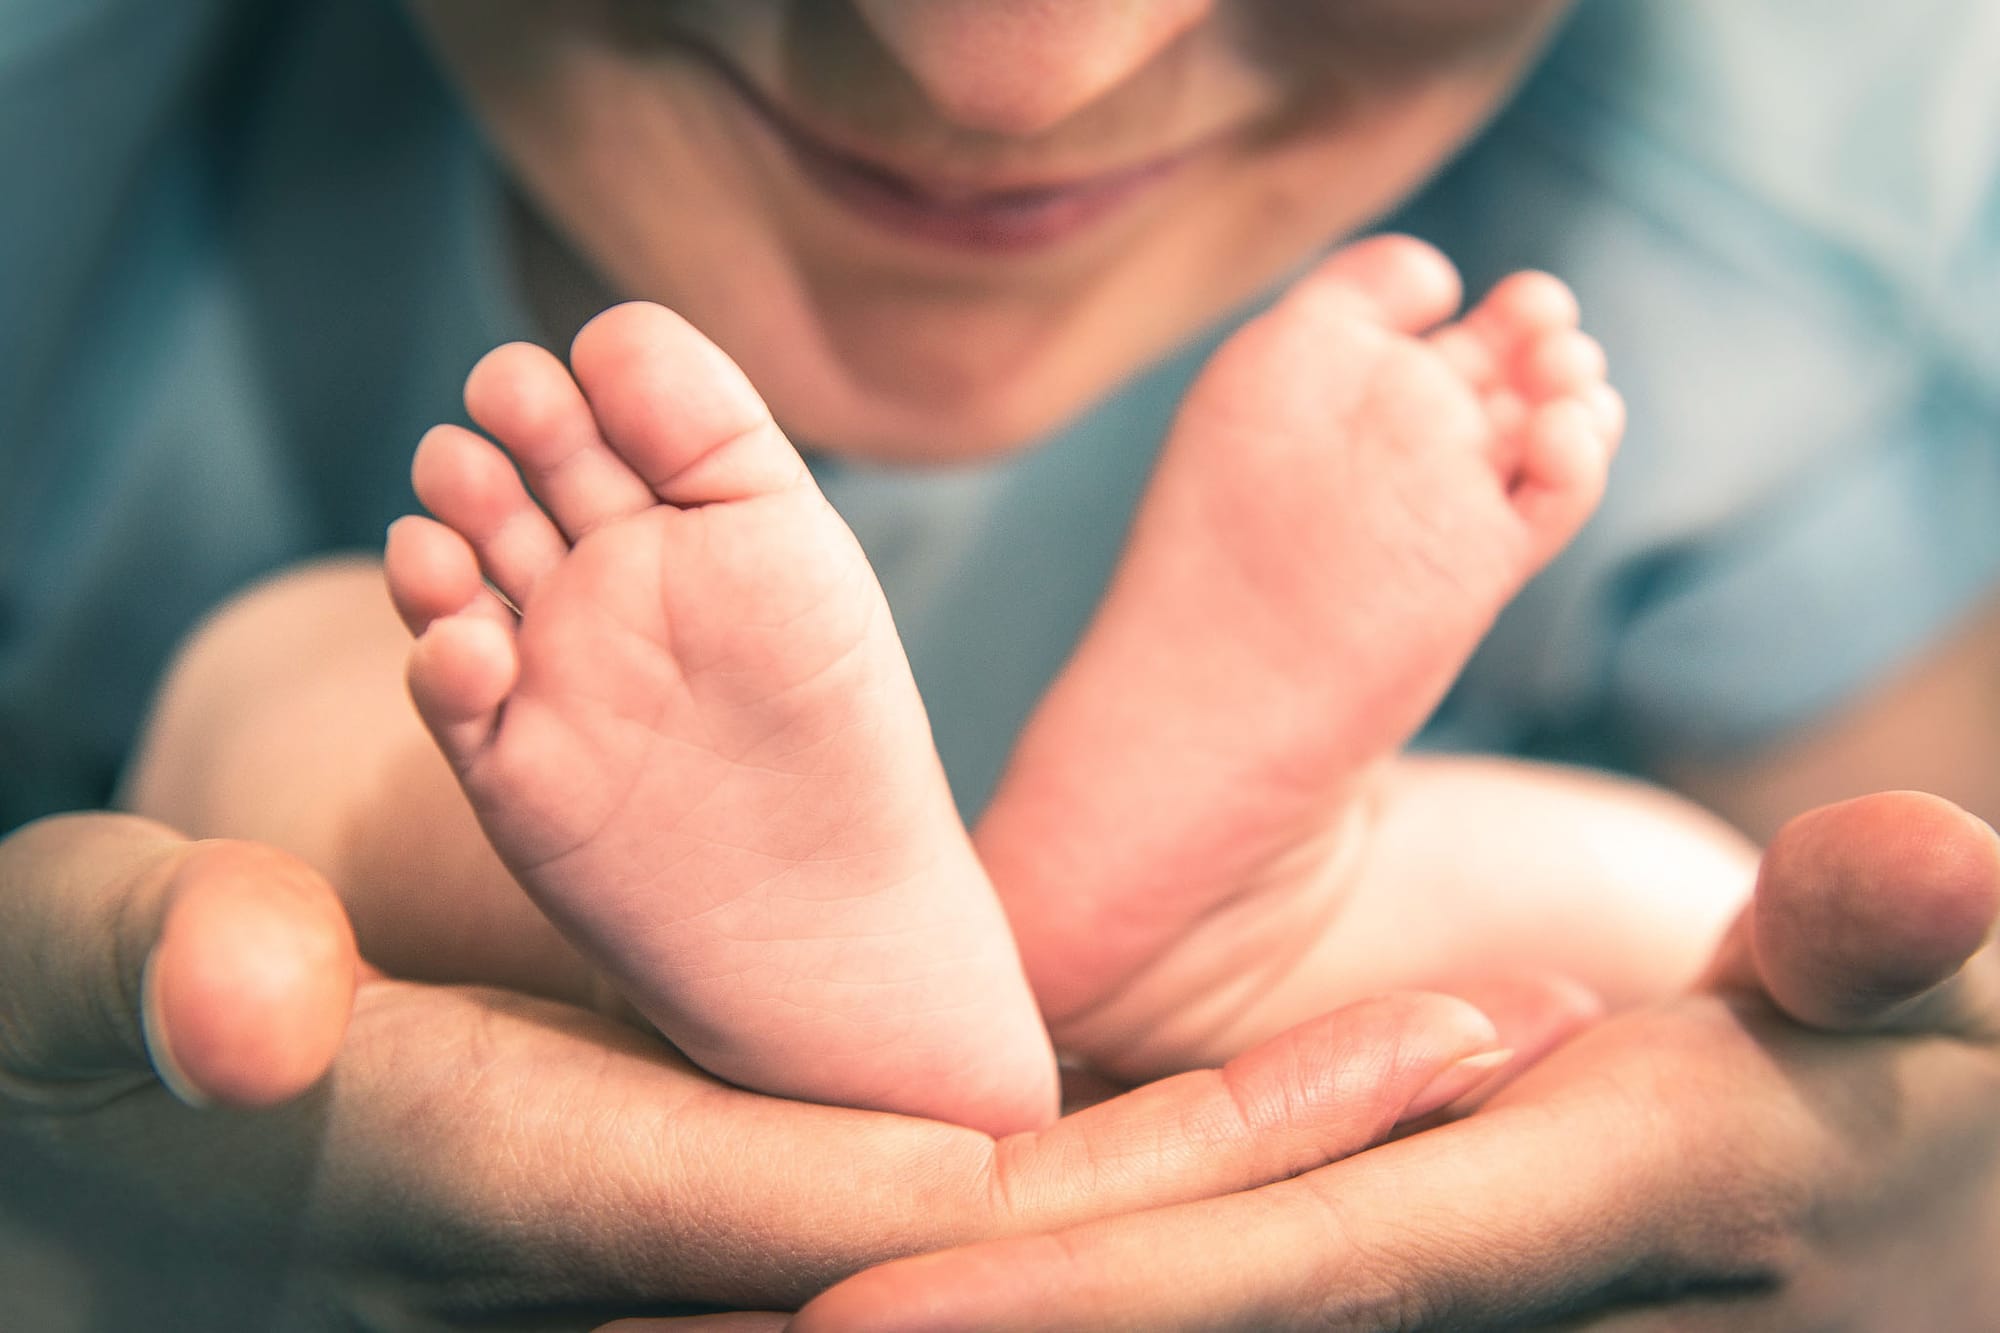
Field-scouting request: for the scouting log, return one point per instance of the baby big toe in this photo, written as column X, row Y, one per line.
column 1398, row 282
column 678, row 410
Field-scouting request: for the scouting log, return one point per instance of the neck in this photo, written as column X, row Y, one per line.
column 561, row 291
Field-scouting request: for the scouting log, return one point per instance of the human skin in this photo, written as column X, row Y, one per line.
column 836, row 368
column 1780, row 1126
column 1946, row 1246
column 481, row 1157
column 639, row 369
column 1315, row 120
column 1860, row 908
column 1773, row 1122
column 698, row 745
column 628, row 126
column 1684, row 1042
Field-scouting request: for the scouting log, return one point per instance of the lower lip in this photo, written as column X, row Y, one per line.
column 1002, row 222
column 997, row 222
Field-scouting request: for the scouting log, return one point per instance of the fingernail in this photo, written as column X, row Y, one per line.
column 158, row 1050
column 1454, row 1081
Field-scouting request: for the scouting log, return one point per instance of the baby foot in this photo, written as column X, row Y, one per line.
column 1349, row 496
column 700, row 748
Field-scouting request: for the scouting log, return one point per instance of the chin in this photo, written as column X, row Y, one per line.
column 918, row 409
column 920, row 432
column 929, row 423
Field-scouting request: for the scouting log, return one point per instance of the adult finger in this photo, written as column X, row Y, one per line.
column 1669, row 1156
column 478, row 1152
column 1876, row 914
column 226, row 968
column 1707, row 1154
column 1311, row 1095
column 1318, row 1092
column 1534, row 1014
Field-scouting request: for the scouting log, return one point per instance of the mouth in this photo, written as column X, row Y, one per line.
column 1011, row 217
column 1014, row 219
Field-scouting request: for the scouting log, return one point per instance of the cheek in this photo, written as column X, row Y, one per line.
column 621, row 149
column 636, row 158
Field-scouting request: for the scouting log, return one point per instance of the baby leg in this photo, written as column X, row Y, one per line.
column 1351, row 492
column 694, row 738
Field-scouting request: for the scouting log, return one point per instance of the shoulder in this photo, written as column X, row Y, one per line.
column 1865, row 127
column 1784, row 224
column 236, row 211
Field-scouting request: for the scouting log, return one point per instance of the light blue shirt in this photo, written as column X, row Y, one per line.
column 248, row 250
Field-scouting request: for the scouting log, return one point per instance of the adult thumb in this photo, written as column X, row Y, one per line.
column 226, row 968
column 1877, row 914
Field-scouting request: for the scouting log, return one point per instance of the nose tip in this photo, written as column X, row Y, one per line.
column 1025, row 66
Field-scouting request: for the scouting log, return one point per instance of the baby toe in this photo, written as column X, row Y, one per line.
column 1399, row 282
column 1607, row 409
column 473, row 490
column 678, row 410
column 1564, row 456
column 1485, row 346
column 1560, row 363
column 460, row 672
column 525, row 398
column 1527, row 303
column 430, row 571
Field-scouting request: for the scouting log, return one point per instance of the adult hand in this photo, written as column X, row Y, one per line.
column 1808, row 1141
column 481, row 1156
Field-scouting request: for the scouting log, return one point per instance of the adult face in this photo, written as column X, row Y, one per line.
column 938, row 227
